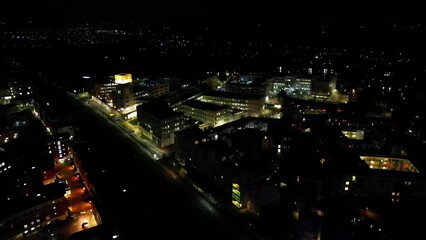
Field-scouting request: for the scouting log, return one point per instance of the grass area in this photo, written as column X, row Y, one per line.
column 134, row 121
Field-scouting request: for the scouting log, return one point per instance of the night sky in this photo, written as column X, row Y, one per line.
column 210, row 11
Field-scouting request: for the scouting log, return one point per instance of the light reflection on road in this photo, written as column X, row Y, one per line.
column 80, row 205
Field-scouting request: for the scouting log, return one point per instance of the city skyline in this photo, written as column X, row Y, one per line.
column 292, row 120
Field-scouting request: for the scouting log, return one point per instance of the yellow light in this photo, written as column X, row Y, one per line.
column 236, row 203
column 123, row 78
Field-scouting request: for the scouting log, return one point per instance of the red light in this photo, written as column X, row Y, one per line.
column 323, row 110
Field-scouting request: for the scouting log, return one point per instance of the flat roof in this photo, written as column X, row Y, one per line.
column 193, row 132
column 159, row 109
column 204, row 105
column 232, row 95
column 389, row 163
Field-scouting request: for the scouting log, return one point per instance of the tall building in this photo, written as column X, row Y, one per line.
column 104, row 89
column 59, row 146
column 117, row 91
column 122, row 97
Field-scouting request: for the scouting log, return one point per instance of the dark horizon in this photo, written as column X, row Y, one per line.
column 305, row 12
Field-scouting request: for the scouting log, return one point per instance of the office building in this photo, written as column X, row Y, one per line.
column 210, row 114
column 252, row 104
column 159, row 123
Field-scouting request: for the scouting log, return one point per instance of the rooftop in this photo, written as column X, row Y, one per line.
column 192, row 132
column 159, row 109
column 203, row 105
column 232, row 95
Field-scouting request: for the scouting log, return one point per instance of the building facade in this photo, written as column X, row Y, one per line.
column 252, row 104
column 159, row 123
column 211, row 114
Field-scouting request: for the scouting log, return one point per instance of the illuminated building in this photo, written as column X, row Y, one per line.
column 209, row 113
column 159, row 123
column 353, row 134
column 389, row 163
column 5, row 95
column 159, row 90
column 53, row 118
column 147, row 89
column 250, row 103
column 122, row 97
column 389, row 180
column 59, row 146
column 103, row 90
column 302, row 85
column 257, row 189
column 352, row 161
column 281, row 83
column 123, row 78
column 31, row 196
column 240, row 158
column 248, row 84
column 21, row 90
column 33, row 212
column 291, row 84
